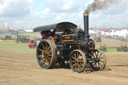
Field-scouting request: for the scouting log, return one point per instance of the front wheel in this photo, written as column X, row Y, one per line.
column 99, row 60
column 77, row 61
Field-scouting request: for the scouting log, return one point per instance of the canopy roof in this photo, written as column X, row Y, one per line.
column 58, row 27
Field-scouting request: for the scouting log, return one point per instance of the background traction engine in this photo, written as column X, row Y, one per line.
column 68, row 45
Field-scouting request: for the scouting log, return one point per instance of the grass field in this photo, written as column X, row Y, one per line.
column 110, row 42
column 23, row 47
column 11, row 45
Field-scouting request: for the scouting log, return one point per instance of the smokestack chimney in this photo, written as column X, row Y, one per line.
column 86, row 23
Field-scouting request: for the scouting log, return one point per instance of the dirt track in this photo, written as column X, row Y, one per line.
column 18, row 68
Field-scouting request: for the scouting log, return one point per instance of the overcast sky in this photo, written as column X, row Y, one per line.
column 33, row 13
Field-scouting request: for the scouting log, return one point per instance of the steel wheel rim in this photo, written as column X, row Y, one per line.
column 51, row 38
column 100, row 60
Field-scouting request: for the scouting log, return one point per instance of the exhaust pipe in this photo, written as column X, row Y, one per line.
column 86, row 23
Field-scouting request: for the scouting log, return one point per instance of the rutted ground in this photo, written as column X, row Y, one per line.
column 21, row 68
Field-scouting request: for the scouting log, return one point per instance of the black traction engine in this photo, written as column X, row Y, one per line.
column 68, row 45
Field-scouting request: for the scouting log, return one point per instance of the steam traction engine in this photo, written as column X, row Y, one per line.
column 65, row 44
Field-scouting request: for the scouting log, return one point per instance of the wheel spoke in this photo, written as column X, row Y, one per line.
column 101, row 61
column 74, row 64
column 100, row 55
column 95, row 64
column 81, row 61
column 101, row 65
column 73, row 61
column 47, row 62
column 74, row 58
column 43, row 47
column 49, row 58
column 101, row 58
column 42, row 50
column 48, row 48
column 42, row 61
column 97, row 54
column 78, row 67
column 49, row 55
column 46, row 45
column 77, row 54
column 98, row 65
column 93, row 56
column 49, row 51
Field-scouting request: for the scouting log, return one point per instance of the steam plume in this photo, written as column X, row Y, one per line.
column 100, row 4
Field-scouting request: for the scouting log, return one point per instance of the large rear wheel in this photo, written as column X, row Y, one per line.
column 77, row 61
column 46, row 54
